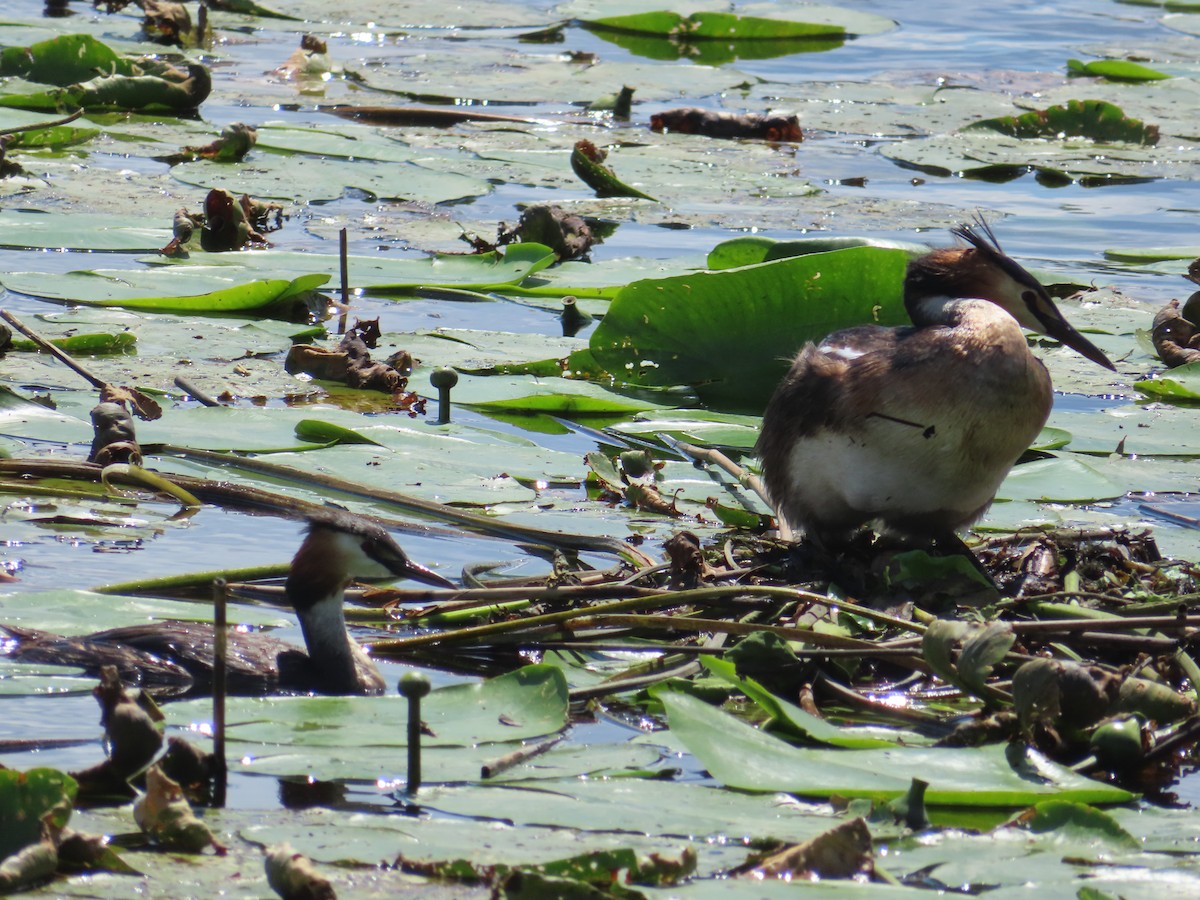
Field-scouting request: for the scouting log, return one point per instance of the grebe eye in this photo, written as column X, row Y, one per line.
column 1029, row 297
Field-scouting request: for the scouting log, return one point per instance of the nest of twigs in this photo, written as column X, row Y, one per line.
column 1086, row 628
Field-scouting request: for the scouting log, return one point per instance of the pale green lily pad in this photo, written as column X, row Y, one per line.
column 391, row 15
column 82, row 612
column 307, row 179
column 346, row 141
column 332, row 838
column 651, row 806
column 535, row 76
column 363, row 737
column 698, row 426
column 985, row 154
column 1064, row 478
column 401, row 274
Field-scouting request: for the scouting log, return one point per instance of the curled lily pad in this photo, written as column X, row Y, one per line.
column 63, row 60
column 588, row 162
column 1097, row 120
column 1114, row 70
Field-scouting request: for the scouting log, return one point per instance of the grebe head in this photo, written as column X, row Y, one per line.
column 340, row 546
column 984, row 271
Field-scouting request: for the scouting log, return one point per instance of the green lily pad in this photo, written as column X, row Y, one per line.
column 1180, row 384
column 27, row 796
column 677, row 330
column 741, row 756
column 1114, row 70
column 141, row 289
column 1097, row 120
column 714, row 38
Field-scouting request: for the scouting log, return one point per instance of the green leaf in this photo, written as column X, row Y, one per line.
column 1078, row 821
column 677, row 331
column 85, row 344
column 569, row 406
column 1114, row 70
column 588, row 163
column 319, row 432
column 1097, row 120
column 743, row 757
column 27, row 796
column 795, row 721
column 714, row 38
column 63, row 60
column 114, row 288
column 746, row 251
column 1180, row 384
column 713, row 26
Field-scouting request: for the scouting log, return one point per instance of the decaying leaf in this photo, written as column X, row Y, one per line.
column 567, row 234
column 293, row 877
column 235, row 142
column 34, row 864
column 718, row 124
column 132, row 736
column 1175, row 335
column 113, row 437
column 164, row 815
column 309, row 60
column 841, row 852
column 351, row 362
column 232, row 223
column 165, row 22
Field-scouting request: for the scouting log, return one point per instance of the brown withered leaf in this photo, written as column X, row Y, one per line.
column 351, row 362
column 719, row 124
column 841, row 852
column 1176, row 338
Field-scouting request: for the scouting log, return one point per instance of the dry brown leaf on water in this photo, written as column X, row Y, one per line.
column 165, row 816
column 719, row 124
column 840, row 852
column 309, row 60
column 1176, row 337
column 234, row 143
column 293, row 877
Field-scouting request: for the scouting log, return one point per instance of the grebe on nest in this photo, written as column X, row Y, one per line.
column 914, row 428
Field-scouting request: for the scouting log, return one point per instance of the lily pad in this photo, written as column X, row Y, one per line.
column 1114, row 70
column 140, row 289
column 677, row 330
column 714, row 38
column 741, row 756
column 1097, row 120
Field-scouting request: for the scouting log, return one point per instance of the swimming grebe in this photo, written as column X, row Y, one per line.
column 914, row 428
column 338, row 546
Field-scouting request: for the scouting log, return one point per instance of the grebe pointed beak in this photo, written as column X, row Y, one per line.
column 418, row 572
column 1055, row 326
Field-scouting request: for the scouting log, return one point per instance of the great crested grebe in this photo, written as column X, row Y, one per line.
column 914, row 428
column 338, row 546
